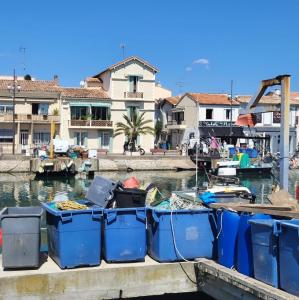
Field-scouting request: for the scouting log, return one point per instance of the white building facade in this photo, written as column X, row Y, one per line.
column 211, row 113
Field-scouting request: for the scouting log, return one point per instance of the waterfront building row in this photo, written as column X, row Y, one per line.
column 215, row 113
column 87, row 115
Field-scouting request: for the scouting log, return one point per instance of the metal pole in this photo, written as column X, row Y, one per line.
column 13, row 111
column 197, row 144
column 284, row 133
column 231, row 112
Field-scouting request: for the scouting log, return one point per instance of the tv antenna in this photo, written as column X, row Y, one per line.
column 180, row 84
column 122, row 46
column 23, row 62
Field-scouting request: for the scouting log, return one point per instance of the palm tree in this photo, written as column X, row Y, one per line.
column 133, row 128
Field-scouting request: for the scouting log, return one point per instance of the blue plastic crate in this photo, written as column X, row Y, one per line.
column 289, row 256
column 174, row 235
column 244, row 251
column 265, row 251
column 227, row 237
column 124, row 234
column 74, row 236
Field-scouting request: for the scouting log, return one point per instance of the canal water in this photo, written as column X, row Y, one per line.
column 26, row 190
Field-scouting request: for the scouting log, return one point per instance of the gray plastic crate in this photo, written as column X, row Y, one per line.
column 101, row 191
column 21, row 237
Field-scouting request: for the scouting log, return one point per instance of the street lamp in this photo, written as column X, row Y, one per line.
column 13, row 89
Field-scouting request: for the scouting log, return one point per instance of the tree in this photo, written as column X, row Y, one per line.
column 133, row 128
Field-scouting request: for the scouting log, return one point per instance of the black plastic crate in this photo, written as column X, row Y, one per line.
column 126, row 198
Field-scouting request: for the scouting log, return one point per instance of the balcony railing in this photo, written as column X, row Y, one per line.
column 29, row 118
column 175, row 122
column 91, row 123
column 133, row 95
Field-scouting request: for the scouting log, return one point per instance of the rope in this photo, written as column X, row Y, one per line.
column 174, row 240
column 220, row 230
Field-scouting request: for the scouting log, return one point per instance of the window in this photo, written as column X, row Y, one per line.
column 79, row 112
column 132, row 110
column 81, row 138
column 276, row 117
column 40, row 108
column 227, row 114
column 41, row 138
column 258, row 118
column 178, row 117
column 133, row 82
column 105, row 139
column 99, row 113
column 6, row 109
column 6, row 135
column 209, row 114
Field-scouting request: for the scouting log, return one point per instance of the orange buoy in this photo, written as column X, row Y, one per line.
column 131, row 183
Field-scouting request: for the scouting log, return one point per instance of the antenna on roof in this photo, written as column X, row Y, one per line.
column 180, row 84
column 122, row 46
column 23, row 63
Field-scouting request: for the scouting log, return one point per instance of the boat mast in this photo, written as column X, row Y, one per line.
column 231, row 112
column 197, row 145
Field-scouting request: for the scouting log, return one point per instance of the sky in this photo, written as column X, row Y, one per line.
column 198, row 46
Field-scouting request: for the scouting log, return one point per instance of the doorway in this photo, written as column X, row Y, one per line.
column 24, row 140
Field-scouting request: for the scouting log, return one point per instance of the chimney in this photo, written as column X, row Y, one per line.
column 56, row 79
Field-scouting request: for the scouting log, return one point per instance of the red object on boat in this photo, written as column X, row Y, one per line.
column 246, row 120
column 297, row 192
column 0, row 237
column 131, row 183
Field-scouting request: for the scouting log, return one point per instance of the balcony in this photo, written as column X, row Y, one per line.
column 133, row 95
column 176, row 124
column 91, row 123
column 29, row 118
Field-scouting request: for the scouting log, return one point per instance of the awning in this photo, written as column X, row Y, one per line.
column 218, row 131
column 77, row 103
column 87, row 104
column 100, row 104
column 178, row 109
column 246, row 120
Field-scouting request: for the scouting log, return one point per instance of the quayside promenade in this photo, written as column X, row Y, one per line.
column 126, row 280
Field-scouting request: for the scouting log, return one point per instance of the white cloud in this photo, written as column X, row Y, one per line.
column 202, row 61
column 188, row 69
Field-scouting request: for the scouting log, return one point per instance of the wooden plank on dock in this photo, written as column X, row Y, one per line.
column 274, row 211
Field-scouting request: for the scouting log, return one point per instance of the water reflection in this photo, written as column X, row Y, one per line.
column 25, row 190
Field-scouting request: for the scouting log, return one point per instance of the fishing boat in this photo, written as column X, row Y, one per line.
column 233, row 168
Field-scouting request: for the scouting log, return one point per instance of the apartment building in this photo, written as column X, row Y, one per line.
column 86, row 116
column 211, row 113
column 130, row 84
column 36, row 106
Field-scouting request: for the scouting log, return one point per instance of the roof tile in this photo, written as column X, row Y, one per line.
column 220, row 99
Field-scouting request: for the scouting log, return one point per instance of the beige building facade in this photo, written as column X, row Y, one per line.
column 131, row 86
column 84, row 116
column 37, row 104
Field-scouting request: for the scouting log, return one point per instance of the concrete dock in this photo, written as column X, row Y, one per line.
column 23, row 164
column 110, row 281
